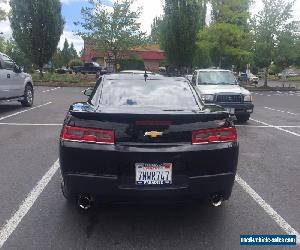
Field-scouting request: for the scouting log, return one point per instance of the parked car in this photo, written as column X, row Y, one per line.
column 253, row 79
column 221, row 87
column 136, row 72
column 189, row 77
column 14, row 83
column 146, row 141
column 250, row 78
column 38, row 71
column 88, row 68
column 63, row 70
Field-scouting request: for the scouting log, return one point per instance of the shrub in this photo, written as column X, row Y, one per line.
column 75, row 62
column 131, row 64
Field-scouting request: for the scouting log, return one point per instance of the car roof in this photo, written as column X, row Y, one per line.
column 121, row 77
column 2, row 54
column 213, row 70
column 136, row 72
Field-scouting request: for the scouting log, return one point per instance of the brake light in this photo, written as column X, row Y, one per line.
column 90, row 135
column 218, row 135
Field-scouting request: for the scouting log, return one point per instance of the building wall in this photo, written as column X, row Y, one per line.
column 152, row 65
column 101, row 61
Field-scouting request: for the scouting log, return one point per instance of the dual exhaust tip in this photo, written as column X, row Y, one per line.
column 217, row 200
column 85, row 201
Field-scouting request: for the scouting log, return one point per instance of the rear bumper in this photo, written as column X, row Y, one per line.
column 108, row 189
column 107, row 172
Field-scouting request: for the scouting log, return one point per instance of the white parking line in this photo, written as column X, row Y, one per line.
column 26, row 205
column 17, row 113
column 276, row 127
column 282, row 111
column 253, row 126
column 282, row 223
column 50, row 90
column 265, row 126
column 11, row 224
column 272, row 93
column 30, row 124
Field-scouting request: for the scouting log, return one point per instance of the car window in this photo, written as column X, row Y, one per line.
column 152, row 93
column 8, row 63
column 194, row 77
column 216, row 78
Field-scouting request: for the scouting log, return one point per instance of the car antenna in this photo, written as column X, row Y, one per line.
column 146, row 75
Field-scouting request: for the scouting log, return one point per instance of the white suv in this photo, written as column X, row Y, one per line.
column 14, row 83
column 221, row 87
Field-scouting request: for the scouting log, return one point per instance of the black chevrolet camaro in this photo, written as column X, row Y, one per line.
column 146, row 138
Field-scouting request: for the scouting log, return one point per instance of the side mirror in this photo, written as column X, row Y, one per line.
column 17, row 69
column 88, row 92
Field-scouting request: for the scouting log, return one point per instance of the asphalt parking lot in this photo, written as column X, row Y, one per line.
column 34, row 214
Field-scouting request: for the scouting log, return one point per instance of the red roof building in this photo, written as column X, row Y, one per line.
column 152, row 55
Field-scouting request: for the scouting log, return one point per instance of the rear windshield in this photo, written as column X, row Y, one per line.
column 152, row 93
column 216, row 78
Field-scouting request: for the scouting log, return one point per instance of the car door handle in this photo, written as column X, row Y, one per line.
column 8, row 75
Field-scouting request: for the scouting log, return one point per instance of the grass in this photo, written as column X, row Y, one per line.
column 289, row 79
column 63, row 78
column 294, row 78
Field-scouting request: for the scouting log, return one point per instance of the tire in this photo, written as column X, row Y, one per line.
column 28, row 96
column 69, row 199
column 243, row 118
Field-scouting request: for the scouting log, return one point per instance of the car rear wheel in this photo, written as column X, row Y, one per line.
column 243, row 118
column 28, row 96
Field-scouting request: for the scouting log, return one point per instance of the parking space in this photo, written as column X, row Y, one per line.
column 265, row 199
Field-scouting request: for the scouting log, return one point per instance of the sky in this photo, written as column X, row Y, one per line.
column 151, row 8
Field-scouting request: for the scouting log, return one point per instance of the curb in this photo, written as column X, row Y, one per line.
column 92, row 84
column 64, row 84
column 271, row 89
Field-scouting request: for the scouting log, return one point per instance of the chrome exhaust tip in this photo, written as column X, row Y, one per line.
column 85, row 202
column 217, row 200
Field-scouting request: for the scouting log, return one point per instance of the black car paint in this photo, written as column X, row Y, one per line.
column 107, row 172
column 88, row 68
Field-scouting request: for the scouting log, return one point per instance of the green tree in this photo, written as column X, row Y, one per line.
column 2, row 40
column 37, row 27
column 231, row 11
column 75, row 62
column 57, row 59
column 297, row 52
column 181, row 22
column 14, row 52
column 113, row 31
column 2, row 44
column 284, row 53
column 156, row 30
column 73, row 52
column 65, row 53
column 236, row 13
column 225, row 43
column 2, row 15
column 267, row 27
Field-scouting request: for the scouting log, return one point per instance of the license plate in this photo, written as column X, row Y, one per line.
column 153, row 174
column 230, row 110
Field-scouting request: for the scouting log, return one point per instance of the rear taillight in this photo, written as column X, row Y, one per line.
column 206, row 136
column 90, row 135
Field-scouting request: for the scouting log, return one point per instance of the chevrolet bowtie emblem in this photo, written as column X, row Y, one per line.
column 153, row 134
